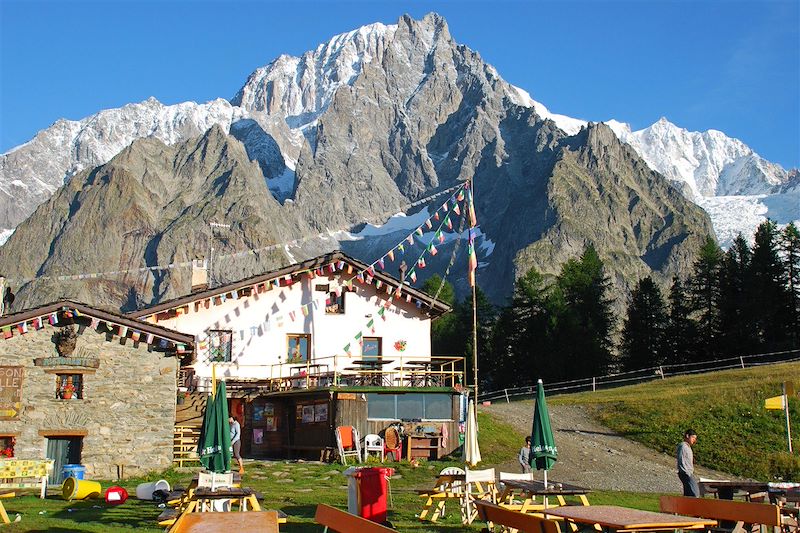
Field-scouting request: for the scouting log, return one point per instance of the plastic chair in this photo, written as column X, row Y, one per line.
column 348, row 442
column 392, row 443
column 373, row 443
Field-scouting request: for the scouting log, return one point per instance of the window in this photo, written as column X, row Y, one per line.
column 69, row 386
column 7, row 446
column 220, row 345
column 414, row 406
column 298, row 348
column 371, row 348
column 334, row 305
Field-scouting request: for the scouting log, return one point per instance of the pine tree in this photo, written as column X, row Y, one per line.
column 790, row 246
column 643, row 332
column 769, row 296
column 737, row 323
column 681, row 334
column 705, row 290
column 445, row 329
column 584, row 316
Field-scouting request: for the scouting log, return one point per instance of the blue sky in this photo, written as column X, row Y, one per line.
column 704, row 64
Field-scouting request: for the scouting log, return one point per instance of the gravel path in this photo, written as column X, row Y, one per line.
column 592, row 455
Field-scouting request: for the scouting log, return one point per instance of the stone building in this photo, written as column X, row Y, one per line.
column 101, row 397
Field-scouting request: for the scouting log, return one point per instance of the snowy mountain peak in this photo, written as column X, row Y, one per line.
column 299, row 89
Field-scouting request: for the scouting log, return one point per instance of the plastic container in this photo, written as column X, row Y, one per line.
column 76, row 471
column 80, row 489
column 116, row 495
column 371, row 489
column 144, row 491
column 352, row 490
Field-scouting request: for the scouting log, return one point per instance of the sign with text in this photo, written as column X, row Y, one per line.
column 10, row 392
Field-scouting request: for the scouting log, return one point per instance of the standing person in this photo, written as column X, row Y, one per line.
column 685, row 458
column 524, row 455
column 236, row 442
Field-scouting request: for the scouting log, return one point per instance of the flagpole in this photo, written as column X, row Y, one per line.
column 474, row 313
column 786, row 414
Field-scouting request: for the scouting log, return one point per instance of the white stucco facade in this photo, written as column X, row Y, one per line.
column 262, row 322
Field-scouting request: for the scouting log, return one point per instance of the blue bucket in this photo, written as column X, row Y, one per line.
column 75, row 471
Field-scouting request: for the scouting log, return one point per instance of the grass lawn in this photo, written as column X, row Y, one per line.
column 726, row 408
column 294, row 488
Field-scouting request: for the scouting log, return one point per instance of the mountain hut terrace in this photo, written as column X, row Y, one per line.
column 303, row 349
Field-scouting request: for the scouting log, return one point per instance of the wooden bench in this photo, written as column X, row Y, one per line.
column 25, row 473
column 343, row 522
column 496, row 515
column 723, row 510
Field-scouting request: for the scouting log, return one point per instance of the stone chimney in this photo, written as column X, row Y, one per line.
column 199, row 275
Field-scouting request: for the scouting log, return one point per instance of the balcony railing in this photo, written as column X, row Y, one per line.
column 397, row 371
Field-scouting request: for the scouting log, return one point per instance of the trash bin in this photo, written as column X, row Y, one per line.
column 75, row 471
column 366, row 494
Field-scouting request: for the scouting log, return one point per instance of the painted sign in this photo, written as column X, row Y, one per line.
column 10, row 392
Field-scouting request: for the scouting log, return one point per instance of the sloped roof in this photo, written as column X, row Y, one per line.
column 435, row 308
column 101, row 314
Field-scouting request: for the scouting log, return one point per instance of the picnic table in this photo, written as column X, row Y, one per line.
column 726, row 490
column 613, row 518
column 262, row 521
column 529, row 490
column 373, row 369
column 447, row 487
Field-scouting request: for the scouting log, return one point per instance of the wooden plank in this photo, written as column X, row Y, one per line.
column 527, row 523
column 343, row 522
column 262, row 521
column 749, row 513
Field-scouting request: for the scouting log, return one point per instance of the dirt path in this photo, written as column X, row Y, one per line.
column 592, row 455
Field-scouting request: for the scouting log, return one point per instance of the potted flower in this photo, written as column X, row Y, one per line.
column 67, row 389
column 182, row 396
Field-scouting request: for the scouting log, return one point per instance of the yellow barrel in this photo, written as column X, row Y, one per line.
column 80, row 489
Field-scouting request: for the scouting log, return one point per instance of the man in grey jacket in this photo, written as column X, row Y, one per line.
column 685, row 458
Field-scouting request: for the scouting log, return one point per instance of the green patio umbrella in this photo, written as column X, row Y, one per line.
column 543, row 447
column 214, row 445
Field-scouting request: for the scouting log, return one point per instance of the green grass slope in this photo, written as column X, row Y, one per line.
column 726, row 408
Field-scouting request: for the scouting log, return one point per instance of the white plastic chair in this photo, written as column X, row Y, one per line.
column 214, row 481
column 373, row 443
column 514, row 476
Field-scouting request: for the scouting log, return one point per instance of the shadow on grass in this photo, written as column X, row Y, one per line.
column 131, row 514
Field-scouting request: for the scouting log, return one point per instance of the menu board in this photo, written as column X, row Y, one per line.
column 10, row 392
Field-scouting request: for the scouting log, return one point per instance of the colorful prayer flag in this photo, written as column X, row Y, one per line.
column 292, row 315
column 413, row 276
column 456, row 210
column 53, row 319
column 347, row 348
column 410, row 239
column 391, row 255
column 419, row 231
column 473, row 221
column 7, row 332
column 460, row 195
column 428, row 224
column 473, row 258
column 436, row 215
column 381, row 264
column 433, row 249
column 408, row 298
column 149, row 338
column 449, row 224
column 440, row 236
column 304, row 310
column 401, row 248
column 421, row 262
column 378, row 284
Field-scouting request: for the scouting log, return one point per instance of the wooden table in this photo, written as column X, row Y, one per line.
column 616, row 518
column 263, row 521
column 373, row 367
column 726, row 490
column 426, row 366
column 531, row 489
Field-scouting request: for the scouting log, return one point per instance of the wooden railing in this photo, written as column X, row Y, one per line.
column 339, row 370
column 184, row 448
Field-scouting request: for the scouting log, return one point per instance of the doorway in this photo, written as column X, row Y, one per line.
column 63, row 451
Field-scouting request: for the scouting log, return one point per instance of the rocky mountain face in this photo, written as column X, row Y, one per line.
column 350, row 133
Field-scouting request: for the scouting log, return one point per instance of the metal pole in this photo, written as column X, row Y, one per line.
column 506, row 391
column 741, row 361
column 786, row 414
column 594, row 384
column 475, row 343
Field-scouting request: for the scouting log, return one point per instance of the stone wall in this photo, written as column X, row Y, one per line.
column 128, row 411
